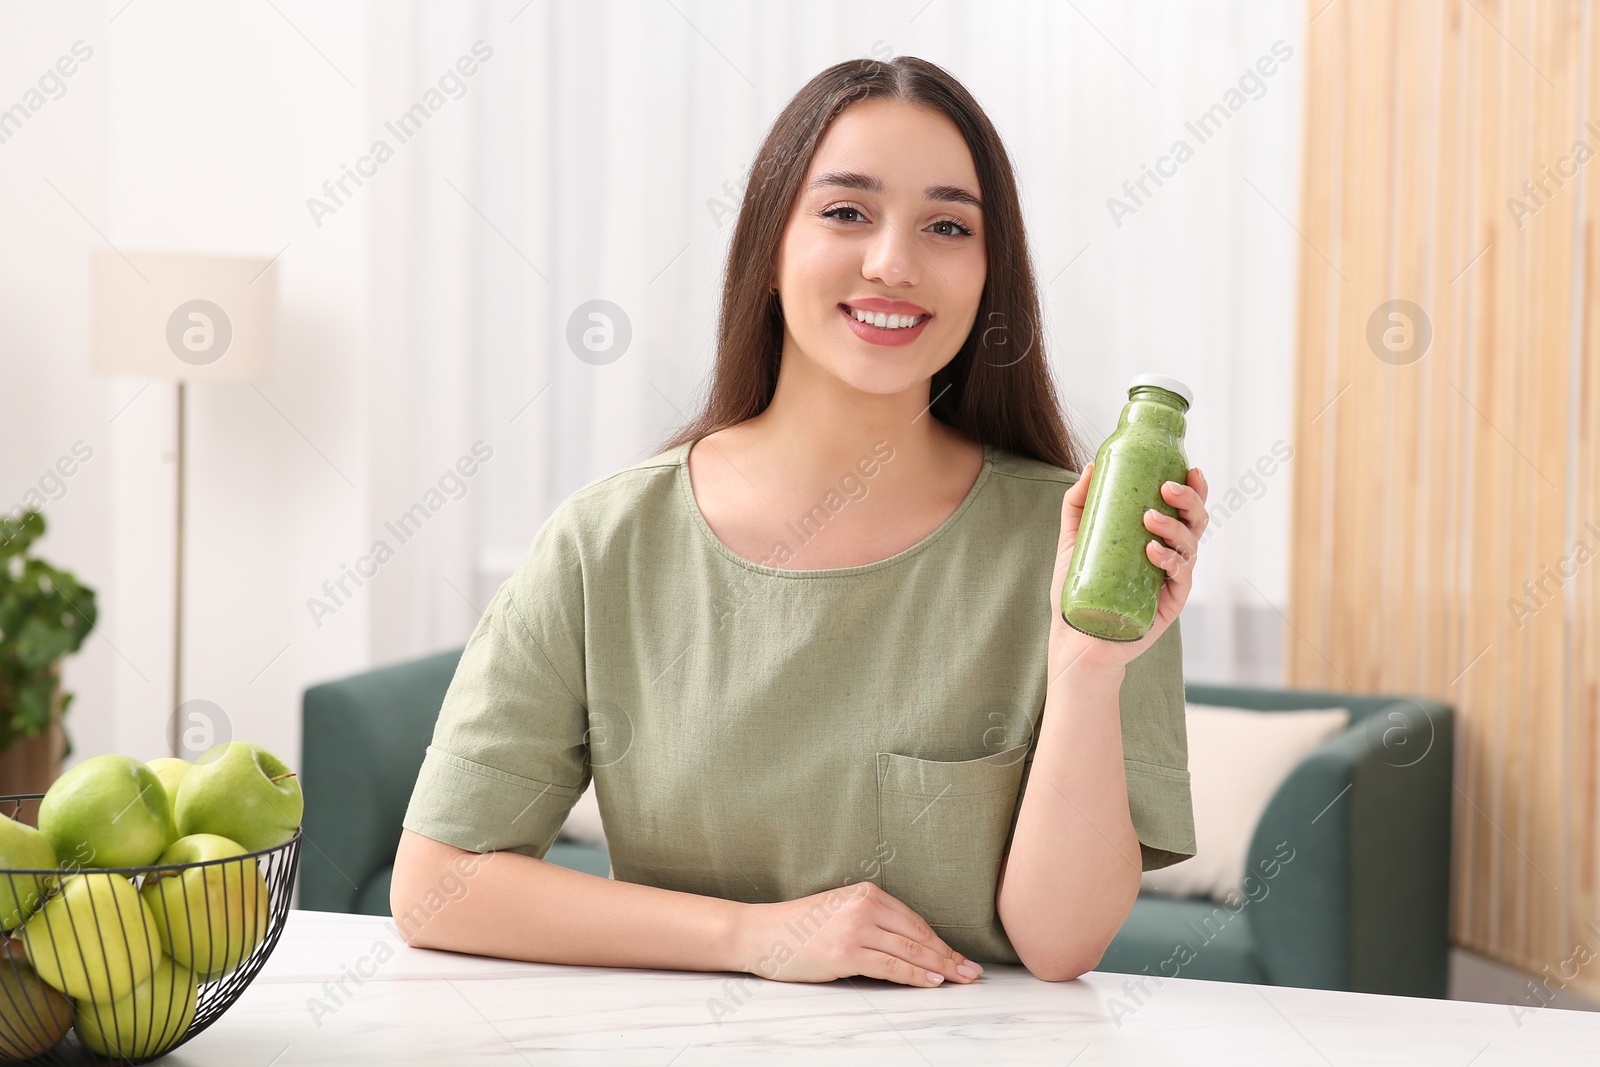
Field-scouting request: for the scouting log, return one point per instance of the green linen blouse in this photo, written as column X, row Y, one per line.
column 762, row 734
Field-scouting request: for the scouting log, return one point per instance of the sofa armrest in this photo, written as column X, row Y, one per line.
column 363, row 739
column 1363, row 904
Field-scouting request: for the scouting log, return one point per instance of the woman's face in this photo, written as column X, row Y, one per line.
column 888, row 211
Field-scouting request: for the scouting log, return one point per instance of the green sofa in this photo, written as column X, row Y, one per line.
column 1361, row 906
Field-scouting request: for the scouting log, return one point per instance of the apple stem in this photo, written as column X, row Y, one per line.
column 281, row 777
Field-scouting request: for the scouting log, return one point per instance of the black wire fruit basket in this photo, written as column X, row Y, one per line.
column 121, row 965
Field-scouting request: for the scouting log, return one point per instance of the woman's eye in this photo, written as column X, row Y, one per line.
column 838, row 213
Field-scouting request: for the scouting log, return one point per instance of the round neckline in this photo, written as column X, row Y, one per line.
column 686, row 488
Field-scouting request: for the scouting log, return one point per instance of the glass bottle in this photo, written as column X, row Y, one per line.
column 1111, row 587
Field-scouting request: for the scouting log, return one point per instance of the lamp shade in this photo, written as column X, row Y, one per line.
column 195, row 318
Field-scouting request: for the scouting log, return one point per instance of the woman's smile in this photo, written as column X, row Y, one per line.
column 892, row 332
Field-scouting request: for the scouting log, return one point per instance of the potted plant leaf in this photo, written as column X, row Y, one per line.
column 45, row 614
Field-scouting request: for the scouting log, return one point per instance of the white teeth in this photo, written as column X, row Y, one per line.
column 886, row 322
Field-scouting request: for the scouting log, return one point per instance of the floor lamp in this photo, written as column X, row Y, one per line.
column 188, row 318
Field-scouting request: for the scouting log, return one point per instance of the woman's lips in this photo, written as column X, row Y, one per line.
column 882, row 335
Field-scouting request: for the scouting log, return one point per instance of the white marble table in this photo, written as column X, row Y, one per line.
column 400, row 1005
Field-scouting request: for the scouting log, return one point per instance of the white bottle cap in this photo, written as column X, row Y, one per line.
column 1164, row 382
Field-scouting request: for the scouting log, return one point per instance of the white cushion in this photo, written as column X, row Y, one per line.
column 1237, row 759
column 583, row 824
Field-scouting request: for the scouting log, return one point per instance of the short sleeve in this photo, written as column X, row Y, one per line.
column 509, row 755
column 1155, row 754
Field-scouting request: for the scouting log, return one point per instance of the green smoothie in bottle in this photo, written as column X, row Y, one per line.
column 1111, row 587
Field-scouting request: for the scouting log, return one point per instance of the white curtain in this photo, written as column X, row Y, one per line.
column 585, row 160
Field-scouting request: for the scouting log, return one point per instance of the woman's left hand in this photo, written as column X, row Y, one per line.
column 1085, row 656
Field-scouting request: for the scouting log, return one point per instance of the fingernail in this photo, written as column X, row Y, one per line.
column 1174, row 486
column 935, row 977
column 970, row 969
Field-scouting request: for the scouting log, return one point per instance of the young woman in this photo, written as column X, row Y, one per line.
column 811, row 653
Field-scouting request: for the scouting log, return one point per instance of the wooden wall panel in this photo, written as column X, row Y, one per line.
column 1436, row 492
column 1583, row 702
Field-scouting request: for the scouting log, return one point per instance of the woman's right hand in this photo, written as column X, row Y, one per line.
column 839, row 933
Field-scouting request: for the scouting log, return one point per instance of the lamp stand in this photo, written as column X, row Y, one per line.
column 177, row 605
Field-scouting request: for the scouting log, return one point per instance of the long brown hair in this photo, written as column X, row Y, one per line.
column 997, row 390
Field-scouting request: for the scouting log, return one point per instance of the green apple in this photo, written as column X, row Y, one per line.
column 210, row 918
column 240, row 791
column 147, row 1021
column 170, row 770
column 96, row 939
column 111, row 809
column 33, row 1017
column 22, row 848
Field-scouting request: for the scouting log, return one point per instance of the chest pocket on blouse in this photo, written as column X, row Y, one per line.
column 942, row 827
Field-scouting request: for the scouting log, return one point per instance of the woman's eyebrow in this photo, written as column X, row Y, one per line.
column 849, row 179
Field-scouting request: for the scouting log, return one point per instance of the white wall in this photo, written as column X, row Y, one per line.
column 47, row 400
column 197, row 128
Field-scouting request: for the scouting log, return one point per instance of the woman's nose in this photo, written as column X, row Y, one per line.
column 891, row 257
